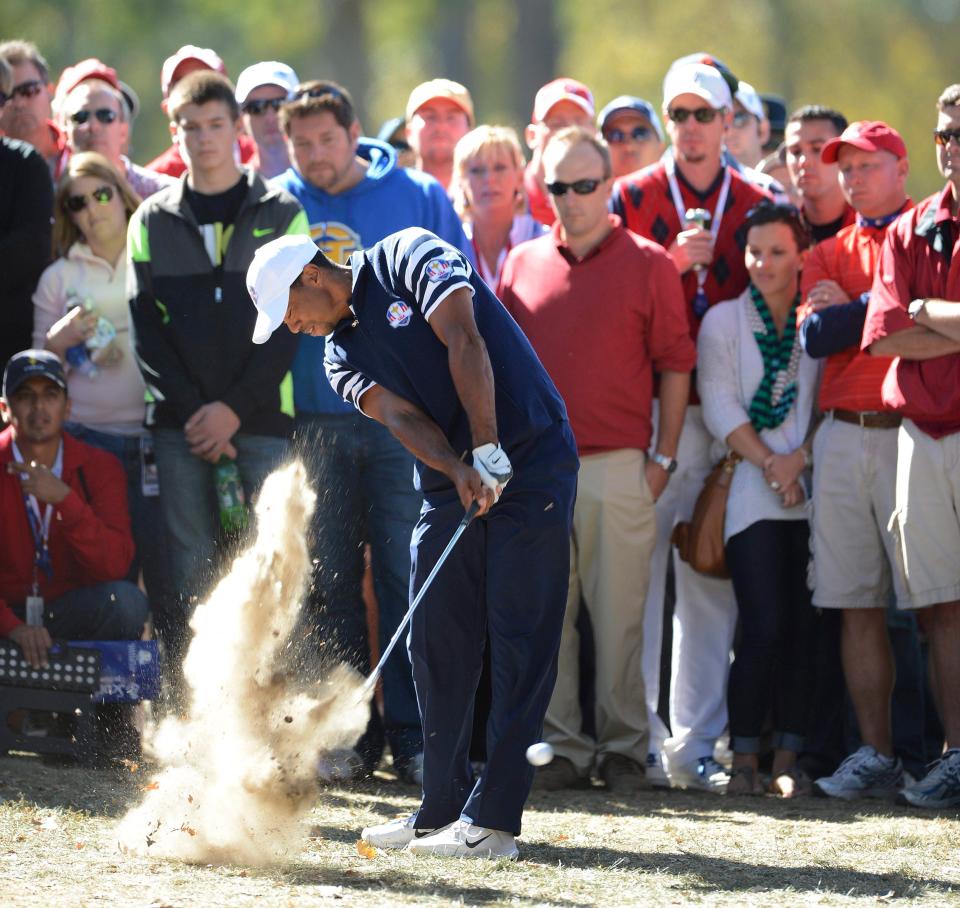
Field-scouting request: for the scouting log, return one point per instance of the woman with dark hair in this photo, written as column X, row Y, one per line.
column 758, row 389
column 83, row 295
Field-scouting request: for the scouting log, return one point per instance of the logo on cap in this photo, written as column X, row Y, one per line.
column 398, row 314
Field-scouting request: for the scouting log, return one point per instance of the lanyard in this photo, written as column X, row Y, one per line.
column 717, row 216
column 40, row 525
column 489, row 278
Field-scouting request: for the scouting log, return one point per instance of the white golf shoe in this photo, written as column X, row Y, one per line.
column 464, row 840
column 396, row 833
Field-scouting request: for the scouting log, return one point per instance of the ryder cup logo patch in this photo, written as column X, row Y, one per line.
column 398, row 315
column 438, row 270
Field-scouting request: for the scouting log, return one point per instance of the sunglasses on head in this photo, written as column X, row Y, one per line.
column 943, row 136
column 256, row 108
column 317, row 93
column 701, row 114
column 103, row 114
column 26, row 89
column 616, row 136
column 77, row 203
column 580, row 187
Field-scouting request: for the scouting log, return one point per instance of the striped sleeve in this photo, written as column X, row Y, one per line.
column 427, row 270
column 347, row 382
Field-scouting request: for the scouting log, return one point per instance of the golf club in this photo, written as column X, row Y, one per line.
column 371, row 681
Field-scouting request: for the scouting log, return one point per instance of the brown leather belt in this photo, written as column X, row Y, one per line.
column 868, row 420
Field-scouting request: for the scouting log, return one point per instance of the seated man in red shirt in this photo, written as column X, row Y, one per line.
column 64, row 523
column 604, row 308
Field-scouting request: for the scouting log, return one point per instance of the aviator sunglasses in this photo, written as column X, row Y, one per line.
column 580, row 187
column 261, row 106
column 943, row 136
column 76, row 203
column 103, row 114
column 615, row 136
column 701, row 114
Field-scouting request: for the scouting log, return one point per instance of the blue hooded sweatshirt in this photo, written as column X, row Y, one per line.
column 389, row 198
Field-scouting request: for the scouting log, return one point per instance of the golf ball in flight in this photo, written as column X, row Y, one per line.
column 539, row 754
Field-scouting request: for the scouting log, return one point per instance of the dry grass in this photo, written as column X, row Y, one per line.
column 579, row 848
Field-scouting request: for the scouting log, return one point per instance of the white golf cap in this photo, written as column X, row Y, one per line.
column 697, row 79
column 271, row 72
column 748, row 97
column 275, row 266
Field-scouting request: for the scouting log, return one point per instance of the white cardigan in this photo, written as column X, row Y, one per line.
column 729, row 371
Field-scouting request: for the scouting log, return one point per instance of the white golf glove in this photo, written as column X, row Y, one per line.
column 493, row 465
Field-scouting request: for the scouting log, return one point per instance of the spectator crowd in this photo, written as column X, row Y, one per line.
column 703, row 276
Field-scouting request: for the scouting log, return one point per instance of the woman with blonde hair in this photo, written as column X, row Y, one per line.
column 488, row 195
column 82, row 297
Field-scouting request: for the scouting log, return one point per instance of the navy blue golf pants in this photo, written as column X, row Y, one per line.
column 506, row 579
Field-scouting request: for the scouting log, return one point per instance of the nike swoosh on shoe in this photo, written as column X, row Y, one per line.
column 470, row 844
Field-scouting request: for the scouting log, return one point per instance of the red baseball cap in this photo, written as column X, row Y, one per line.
column 205, row 55
column 868, row 135
column 91, row 68
column 563, row 90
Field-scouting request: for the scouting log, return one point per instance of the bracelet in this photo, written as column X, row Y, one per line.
column 807, row 459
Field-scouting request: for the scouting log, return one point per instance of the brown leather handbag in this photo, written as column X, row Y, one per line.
column 699, row 542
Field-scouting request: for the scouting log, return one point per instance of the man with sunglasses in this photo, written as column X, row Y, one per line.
column 603, row 309
column 261, row 91
column 697, row 105
column 354, row 195
column 27, row 115
column 96, row 117
column 633, row 133
column 26, row 206
column 914, row 315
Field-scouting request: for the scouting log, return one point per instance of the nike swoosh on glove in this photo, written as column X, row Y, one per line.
column 493, row 465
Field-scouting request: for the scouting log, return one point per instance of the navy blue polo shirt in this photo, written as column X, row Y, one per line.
column 398, row 284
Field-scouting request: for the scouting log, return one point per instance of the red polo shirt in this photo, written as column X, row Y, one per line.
column 851, row 378
column 601, row 325
column 920, row 258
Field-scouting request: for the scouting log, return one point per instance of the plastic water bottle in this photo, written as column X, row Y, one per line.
column 79, row 360
column 230, row 497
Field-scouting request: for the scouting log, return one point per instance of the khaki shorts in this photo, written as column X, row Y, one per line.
column 854, row 497
column 925, row 520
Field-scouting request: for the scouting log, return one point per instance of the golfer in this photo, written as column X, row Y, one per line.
column 417, row 341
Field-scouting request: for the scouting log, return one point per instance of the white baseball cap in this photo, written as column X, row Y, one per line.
column 275, row 266
column 748, row 97
column 271, row 72
column 697, row 79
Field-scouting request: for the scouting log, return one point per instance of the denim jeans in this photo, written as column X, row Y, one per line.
column 146, row 523
column 189, row 505
column 115, row 610
column 365, row 494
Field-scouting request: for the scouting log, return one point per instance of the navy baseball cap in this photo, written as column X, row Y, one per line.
column 32, row 364
column 628, row 102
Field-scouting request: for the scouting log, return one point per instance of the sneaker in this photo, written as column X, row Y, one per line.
column 940, row 787
column 412, row 771
column 705, row 775
column 396, row 833
column 656, row 774
column 864, row 774
column 558, row 774
column 622, row 775
column 464, row 840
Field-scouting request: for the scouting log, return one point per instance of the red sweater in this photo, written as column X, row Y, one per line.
column 601, row 325
column 90, row 540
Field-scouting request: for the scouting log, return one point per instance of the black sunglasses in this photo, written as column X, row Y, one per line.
column 616, row 136
column 943, row 136
column 580, row 187
column 317, row 93
column 77, row 203
column 4, row 97
column 103, row 114
column 27, row 89
column 256, row 108
column 701, row 114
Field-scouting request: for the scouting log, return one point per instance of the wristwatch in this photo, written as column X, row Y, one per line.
column 913, row 310
column 667, row 464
